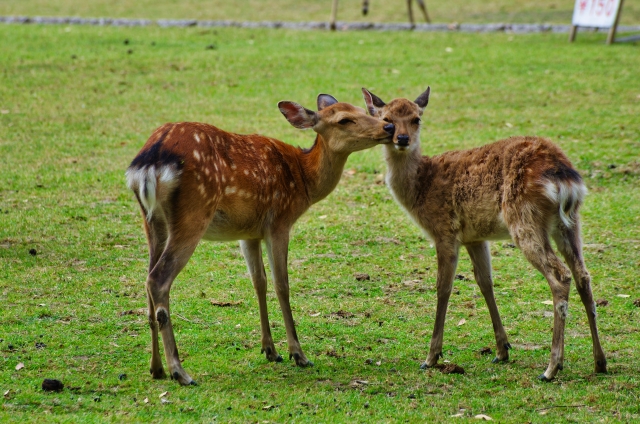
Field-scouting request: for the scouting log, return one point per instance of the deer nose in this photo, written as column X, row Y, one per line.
column 403, row 140
column 389, row 128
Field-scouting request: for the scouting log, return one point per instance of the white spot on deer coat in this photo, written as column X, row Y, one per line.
column 196, row 137
column 230, row 190
column 196, row 155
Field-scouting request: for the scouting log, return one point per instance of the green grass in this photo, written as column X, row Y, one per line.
column 76, row 106
column 468, row 11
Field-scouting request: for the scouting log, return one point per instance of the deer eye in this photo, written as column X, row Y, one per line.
column 346, row 121
column 416, row 121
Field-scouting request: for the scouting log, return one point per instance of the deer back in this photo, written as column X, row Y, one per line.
column 200, row 173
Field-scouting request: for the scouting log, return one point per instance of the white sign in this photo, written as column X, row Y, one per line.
column 595, row 13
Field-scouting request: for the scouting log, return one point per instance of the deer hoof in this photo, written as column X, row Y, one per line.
column 425, row 365
column 184, row 380
column 543, row 377
column 601, row 366
column 271, row 355
column 157, row 374
column 301, row 361
column 497, row 360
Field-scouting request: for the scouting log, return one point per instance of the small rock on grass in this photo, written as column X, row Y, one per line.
column 602, row 302
column 637, row 302
column 52, row 385
column 361, row 276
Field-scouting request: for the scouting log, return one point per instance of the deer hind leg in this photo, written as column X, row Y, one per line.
column 175, row 256
column 277, row 251
column 253, row 256
column 157, row 237
column 481, row 259
column 536, row 247
column 570, row 246
column 447, row 262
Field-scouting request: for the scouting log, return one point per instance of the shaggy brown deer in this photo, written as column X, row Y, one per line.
column 194, row 181
column 524, row 188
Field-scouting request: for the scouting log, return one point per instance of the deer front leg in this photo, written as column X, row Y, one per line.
column 447, row 263
column 277, row 251
column 253, row 256
column 481, row 260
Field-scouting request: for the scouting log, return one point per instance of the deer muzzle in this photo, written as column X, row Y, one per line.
column 403, row 140
column 390, row 129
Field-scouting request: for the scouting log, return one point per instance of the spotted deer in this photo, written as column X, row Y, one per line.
column 194, row 181
column 523, row 188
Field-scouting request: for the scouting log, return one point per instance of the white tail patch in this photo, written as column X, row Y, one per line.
column 148, row 180
column 568, row 195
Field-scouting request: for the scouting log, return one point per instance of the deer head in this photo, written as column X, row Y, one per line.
column 343, row 127
column 404, row 114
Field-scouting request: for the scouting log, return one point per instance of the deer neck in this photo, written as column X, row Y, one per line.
column 402, row 173
column 322, row 169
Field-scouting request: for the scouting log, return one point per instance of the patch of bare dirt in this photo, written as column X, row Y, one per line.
column 224, row 304
column 449, row 368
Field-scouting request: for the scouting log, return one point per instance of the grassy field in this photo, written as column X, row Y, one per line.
column 476, row 11
column 77, row 103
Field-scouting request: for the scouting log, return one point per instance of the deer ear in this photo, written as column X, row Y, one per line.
column 372, row 101
column 423, row 99
column 326, row 100
column 298, row 116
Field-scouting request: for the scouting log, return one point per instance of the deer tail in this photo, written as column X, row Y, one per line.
column 568, row 193
column 150, row 183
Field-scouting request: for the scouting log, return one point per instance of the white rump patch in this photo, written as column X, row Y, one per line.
column 567, row 195
column 148, row 181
